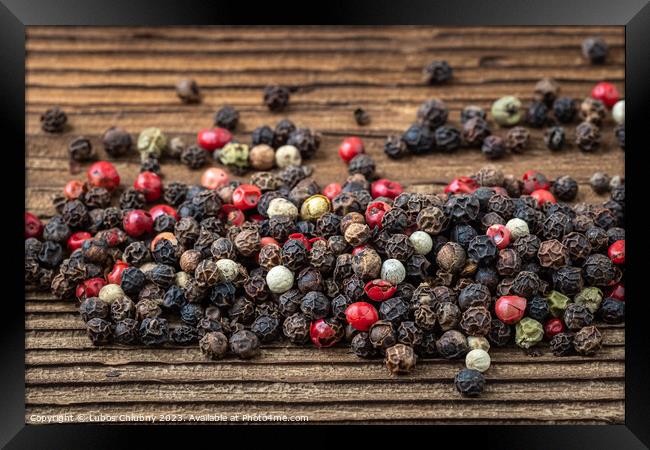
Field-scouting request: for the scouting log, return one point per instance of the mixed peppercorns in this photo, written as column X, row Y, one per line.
column 227, row 266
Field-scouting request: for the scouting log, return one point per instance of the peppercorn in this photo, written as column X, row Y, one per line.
column 537, row 114
column 395, row 147
column 493, row 147
column 557, row 303
column 305, row 141
column 588, row 137
column 619, row 132
column 595, row 50
column 362, row 164
column 502, row 205
column 546, row 91
column 475, row 130
column 80, row 149
column 56, row 230
column 588, row 340
column 154, row 331
column 469, row 382
column 562, row 344
column 362, row 347
column 432, row 113
column 528, row 332
column 395, row 220
column 276, row 98
column 151, row 143
column 478, row 358
column 593, row 111
column 382, row 335
column 53, row 120
column 452, row 345
column 400, row 359
column 451, row 257
column 482, row 249
column 577, row 316
column 227, row 117
column 517, row 139
column 500, row 333
column 506, row 111
column 194, row 157
column 598, row 270
column 437, row 72
column 188, row 90
column 554, row 138
column 475, row 321
column 419, row 139
column 564, row 109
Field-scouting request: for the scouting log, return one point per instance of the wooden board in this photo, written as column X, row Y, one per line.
column 125, row 77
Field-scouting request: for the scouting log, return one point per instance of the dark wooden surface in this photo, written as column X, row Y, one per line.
column 125, row 77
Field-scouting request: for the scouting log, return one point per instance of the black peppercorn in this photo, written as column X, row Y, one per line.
column 554, row 138
column 588, row 137
column 276, row 98
column 394, row 310
column 419, row 139
column 262, row 135
column 305, row 141
column 154, row 331
column 472, row 111
column 50, row 254
column 447, row 139
column 174, row 299
column 577, row 316
column 476, row 321
column 99, row 331
column 362, row 164
column 361, row 116
column 174, row 193
column 437, row 72
column 452, row 344
column 222, row 294
column 80, row 149
column 537, row 308
column 612, row 310
column 296, row 328
column 562, row 344
column 598, row 270
column 92, row 308
column 117, row 142
column 54, row 120
column 432, row 114
column 214, row 345
column 266, row 327
column 395, row 147
column 500, row 334
column 244, row 344
column 475, row 130
column 362, row 346
column 194, row 157
column 183, row 335
column 227, row 117
column 75, row 213
column 469, row 382
column 382, row 335
column 462, row 208
column 315, row 305
column 588, row 340
column 493, row 147
column 536, row 115
column 126, row 332
column 595, row 50
column 564, row 109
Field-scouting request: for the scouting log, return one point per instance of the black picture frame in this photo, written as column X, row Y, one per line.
column 15, row 15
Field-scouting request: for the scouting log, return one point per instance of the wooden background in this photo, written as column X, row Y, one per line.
column 125, row 76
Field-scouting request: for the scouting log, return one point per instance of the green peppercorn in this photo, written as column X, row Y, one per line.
column 557, row 303
column 590, row 298
column 151, row 143
column 528, row 332
column 234, row 154
column 506, row 111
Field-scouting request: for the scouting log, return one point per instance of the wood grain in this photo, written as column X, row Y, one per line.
column 125, row 77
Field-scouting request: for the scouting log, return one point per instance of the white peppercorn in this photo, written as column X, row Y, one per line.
column 279, row 279
column 393, row 271
column 282, row 207
column 228, row 269
column 422, row 242
column 478, row 359
column 110, row 293
column 478, row 342
column 618, row 112
column 517, row 228
column 262, row 157
column 286, row 156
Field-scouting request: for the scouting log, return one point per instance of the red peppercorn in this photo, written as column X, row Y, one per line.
column 543, row 196
column 534, row 180
column 462, row 185
column 160, row 210
column 214, row 178
column 606, row 93
column 232, row 215
column 115, row 275
column 500, row 235
column 375, row 213
column 616, row 252
column 73, row 189
column 323, row 334
column 213, row 138
column 332, row 190
column 103, row 174
column 552, row 327
column 351, row 147
column 137, row 222
column 617, row 292
column 385, row 188
column 150, row 185
column 246, row 196
column 268, row 240
column 77, row 239
column 379, row 290
column 510, row 308
column 300, row 237
column 361, row 315
column 358, row 249
column 89, row 288
column 33, row 226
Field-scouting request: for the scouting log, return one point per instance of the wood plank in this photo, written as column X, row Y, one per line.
column 550, row 412
column 349, row 392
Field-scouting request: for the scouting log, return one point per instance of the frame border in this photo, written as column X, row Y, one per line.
column 15, row 15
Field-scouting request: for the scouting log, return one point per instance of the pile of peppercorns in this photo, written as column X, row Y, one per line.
column 401, row 275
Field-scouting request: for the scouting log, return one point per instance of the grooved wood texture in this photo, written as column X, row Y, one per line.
column 125, row 77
